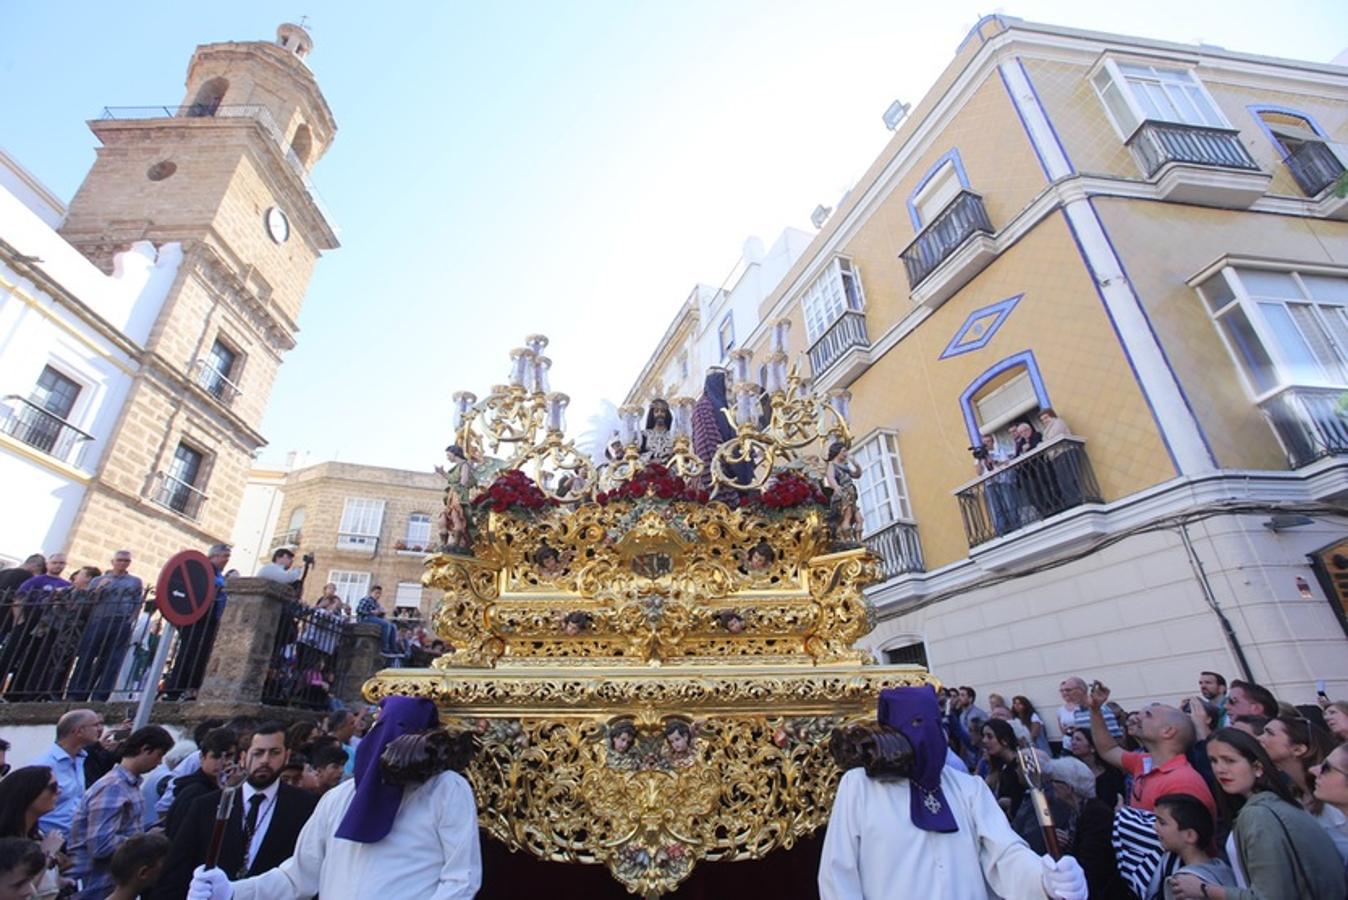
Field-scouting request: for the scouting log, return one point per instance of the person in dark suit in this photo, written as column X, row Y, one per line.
column 263, row 825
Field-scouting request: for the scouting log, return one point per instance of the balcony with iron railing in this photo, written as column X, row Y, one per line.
column 898, row 548
column 177, row 495
column 1314, row 166
column 942, row 239
column 214, row 382
column 1158, row 143
column 847, row 332
column 256, row 112
column 27, row 422
column 1050, row 479
column 1311, row 423
column 363, row 544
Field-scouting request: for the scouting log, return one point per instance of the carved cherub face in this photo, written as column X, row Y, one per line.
column 621, row 742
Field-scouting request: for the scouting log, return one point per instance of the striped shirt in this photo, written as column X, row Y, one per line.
column 109, row 813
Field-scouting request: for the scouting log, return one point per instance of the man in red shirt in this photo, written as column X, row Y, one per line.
column 1166, row 733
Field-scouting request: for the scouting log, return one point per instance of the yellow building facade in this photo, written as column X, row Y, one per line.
column 1143, row 237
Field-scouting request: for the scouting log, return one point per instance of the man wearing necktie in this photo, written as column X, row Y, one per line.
column 263, row 825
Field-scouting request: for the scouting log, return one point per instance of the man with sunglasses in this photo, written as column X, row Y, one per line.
column 76, row 732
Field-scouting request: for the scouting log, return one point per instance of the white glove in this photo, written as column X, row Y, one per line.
column 1063, row 880
column 211, row 884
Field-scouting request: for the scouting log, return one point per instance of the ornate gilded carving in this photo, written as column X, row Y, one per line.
column 653, row 677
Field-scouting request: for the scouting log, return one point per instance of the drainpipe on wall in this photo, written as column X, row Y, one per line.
column 1202, row 576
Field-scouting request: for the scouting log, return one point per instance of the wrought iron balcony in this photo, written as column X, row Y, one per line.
column 1159, row 143
column 178, row 495
column 39, row 428
column 258, row 113
column 366, row 544
column 962, row 218
column 214, row 382
column 1308, row 422
column 1050, row 479
column 897, row 545
column 1314, row 166
column 847, row 332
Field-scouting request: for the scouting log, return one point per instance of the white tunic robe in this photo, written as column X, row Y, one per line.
column 872, row 851
column 431, row 854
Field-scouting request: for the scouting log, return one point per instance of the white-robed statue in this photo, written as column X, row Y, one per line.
column 405, row 826
column 906, row 825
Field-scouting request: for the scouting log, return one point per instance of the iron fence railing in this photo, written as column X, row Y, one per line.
column 847, row 332
column 309, row 659
column 1314, row 167
column 256, row 112
column 1050, row 479
column 1309, row 422
column 961, row 219
column 1158, row 143
column 215, row 382
column 898, row 547
column 178, row 495
column 36, row 427
column 76, row 645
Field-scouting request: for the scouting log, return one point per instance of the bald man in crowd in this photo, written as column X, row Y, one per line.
column 1166, row 733
column 76, row 732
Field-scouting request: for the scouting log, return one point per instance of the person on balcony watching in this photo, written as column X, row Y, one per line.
column 117, row 599
column 37, row 627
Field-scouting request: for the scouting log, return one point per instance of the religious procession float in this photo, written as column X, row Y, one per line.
column 654, row 645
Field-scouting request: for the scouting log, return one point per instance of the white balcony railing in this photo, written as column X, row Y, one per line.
column 179, row 496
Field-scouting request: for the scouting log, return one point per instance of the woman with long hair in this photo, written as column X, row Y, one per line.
column 1109, row 783
column 1295, row 745
column 999, row 751
column 26, row 795
column 1275, row 847
column 1023, row 710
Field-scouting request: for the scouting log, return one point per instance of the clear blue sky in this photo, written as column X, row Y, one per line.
column 565, row 167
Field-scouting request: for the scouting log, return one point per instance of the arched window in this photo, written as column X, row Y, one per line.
column 302, row 144
column 1009, row 391
column 293, row 534
column 208, row 98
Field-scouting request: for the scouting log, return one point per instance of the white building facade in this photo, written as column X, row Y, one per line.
column 71, row 340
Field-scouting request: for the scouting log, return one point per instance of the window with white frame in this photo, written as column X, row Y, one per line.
column 910, row 651
column 834, row 292
column 937, row 193
column 361, row 521
column 1134, row 93
column 1283, row 328
column 408, row 596
column 418, row 530
column 351, row 586
column 726, row 335
column 882, row 490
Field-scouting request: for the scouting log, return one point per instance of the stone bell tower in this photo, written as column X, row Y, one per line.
column 222, row 179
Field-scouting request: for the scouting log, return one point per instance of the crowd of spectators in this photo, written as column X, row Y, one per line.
column 1230, row 794
column 128, row 813
column 93, row 637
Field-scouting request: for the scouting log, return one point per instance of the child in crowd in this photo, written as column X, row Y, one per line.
column 137, row 865
column 329, row 762
column 1185, row 828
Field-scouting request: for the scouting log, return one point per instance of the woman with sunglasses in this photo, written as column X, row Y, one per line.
column 26, row 795
column 1331, row 789
column 1276, row 848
